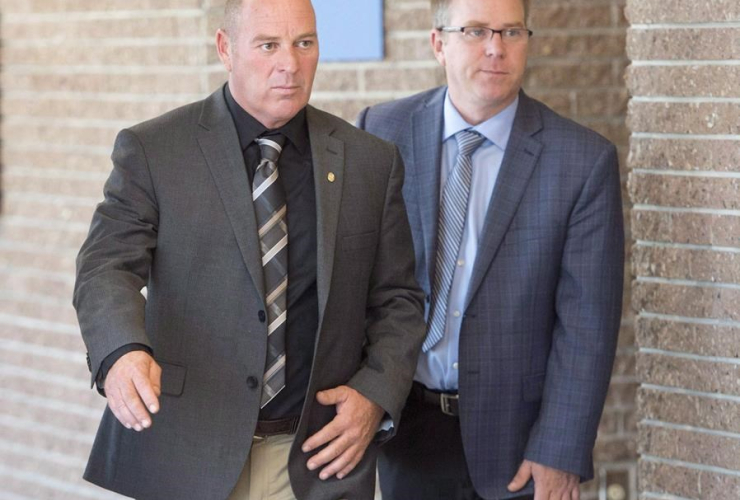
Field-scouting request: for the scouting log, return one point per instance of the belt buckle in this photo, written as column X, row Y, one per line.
column 445, row 403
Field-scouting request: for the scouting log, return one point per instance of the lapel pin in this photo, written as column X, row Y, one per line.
column 331, row 177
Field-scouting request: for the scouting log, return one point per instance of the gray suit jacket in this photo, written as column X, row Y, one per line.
column 178, row 219
column 544, row 305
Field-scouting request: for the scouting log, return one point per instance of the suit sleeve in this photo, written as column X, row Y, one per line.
column 395, row 324
column 114, row 261
column 588, row 311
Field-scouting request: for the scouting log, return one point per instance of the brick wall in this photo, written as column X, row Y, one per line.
column 74, row 72
column 685, row 184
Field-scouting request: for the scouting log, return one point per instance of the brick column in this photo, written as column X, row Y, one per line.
column 685, row 184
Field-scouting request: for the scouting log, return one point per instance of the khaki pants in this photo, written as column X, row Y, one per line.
column 265, row 475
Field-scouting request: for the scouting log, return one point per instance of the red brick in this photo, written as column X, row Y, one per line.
column 689, row 446
column 49, row 6
column 685, row 191
column 683, row 44
column 686, row 264
column 140, row 27
column 685, row 154
column 693, row 228
column 683, row 373
column 415, row 79
column 683, row 300
column 680, row 11
column 687, row 482
column 700, row 339
column 684, row 81
column 684, row 118
column 684, row 409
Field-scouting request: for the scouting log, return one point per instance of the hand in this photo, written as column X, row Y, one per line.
column 348, row 434
column 132, row 386
column 549, row 483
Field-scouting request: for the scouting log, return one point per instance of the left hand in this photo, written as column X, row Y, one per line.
column 348, row 434
column 549, row 483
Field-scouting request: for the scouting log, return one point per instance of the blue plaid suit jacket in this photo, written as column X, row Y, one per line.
column 543, row 309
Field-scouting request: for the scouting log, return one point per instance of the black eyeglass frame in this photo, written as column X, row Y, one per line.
column 461, row 29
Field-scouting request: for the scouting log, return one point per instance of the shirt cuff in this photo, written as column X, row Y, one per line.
column 111, row 359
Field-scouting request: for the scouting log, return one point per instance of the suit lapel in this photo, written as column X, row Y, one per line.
column 520, row 160
column 328, row 168
column 219, row 143
column 425, row 170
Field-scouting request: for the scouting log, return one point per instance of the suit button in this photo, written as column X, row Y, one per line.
column 252, row 382
column 261, row 316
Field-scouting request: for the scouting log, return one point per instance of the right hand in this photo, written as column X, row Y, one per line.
column 133, row 386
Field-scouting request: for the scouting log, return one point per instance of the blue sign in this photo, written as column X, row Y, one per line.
column 350, row 30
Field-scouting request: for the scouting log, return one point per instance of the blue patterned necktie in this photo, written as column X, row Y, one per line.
column 452, row 211
column 268, row 197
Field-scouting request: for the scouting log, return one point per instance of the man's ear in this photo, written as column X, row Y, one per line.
column 223, row 46
column 435, row 37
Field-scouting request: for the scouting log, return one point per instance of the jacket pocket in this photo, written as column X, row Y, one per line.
column 173, row 378
column 533, row 387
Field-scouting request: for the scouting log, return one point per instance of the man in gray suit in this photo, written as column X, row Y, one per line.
column 517, row 225
column 282, row 319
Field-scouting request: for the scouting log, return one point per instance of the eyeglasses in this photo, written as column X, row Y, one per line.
column 478, row 34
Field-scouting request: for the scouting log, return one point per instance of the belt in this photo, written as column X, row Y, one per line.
column 448, row 403
column 267, row 428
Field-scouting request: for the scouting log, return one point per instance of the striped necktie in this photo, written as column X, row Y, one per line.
column 452, row 211
column 268, row 197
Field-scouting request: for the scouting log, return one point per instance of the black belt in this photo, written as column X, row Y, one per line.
column 266, row 428
column 448, row 403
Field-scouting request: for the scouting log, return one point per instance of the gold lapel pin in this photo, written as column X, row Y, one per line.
column 331, row 177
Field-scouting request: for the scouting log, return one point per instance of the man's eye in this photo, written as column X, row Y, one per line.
column 304, row 44
column 512, row 33
column 475, row 33
column 268, row 46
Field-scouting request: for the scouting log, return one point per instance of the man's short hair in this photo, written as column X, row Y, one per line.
column 232, row 16
column 441, row 12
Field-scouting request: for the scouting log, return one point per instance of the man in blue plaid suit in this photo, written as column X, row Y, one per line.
column 517, row 225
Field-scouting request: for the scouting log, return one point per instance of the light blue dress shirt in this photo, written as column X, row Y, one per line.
column 438, row 368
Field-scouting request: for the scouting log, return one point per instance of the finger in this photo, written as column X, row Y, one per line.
column 118, row 406
column 521, row 477
column 155, row 376
column 134, row 404
column 335, row 449
column 575, row 493
column 323, row 436
column 540, row 493
column 339, row 463
column 146, row 392
column 331, row 396
column 351, row 466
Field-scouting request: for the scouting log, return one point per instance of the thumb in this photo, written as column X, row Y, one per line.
column 522, row 476
column 331, row 396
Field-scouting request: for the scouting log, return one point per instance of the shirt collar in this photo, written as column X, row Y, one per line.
column 496, row 129
column 249, row 128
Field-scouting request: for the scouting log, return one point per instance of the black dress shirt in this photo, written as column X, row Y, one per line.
column 295, row 168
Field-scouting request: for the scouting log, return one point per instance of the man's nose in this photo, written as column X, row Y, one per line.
column 496, row 46
column 288, row 60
